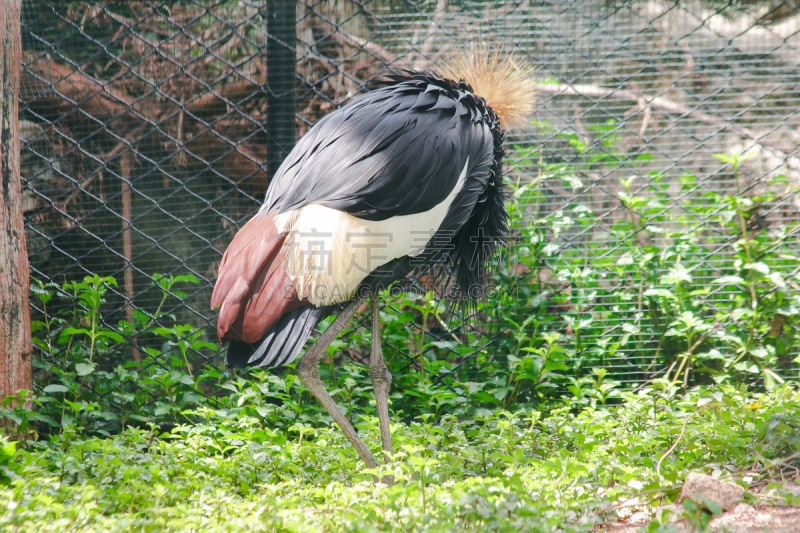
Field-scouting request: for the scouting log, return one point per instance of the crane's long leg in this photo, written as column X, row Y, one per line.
column 381, row 381
column 309, row 375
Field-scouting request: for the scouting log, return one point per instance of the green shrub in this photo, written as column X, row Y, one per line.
column 565, row 469
column 696, row 293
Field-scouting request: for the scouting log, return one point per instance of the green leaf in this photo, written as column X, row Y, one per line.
column 737, row 314
column 501, row 392
column 714, row 507
column 554, row 365
column 574, row 181
column 676, row 275
column 83, row 369
column 264, row 410
column 660, row 292
column 729, row 280
column 111, row 335
column 51, row 389
column 777, row 280
column 626, row 259
column 162, row 410
column 758, row 267
column 539, row 300
column 76, row 331
column 712, row 354
column 742, row 366
column 521, row 190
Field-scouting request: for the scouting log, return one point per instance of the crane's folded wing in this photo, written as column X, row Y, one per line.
column 395, row 151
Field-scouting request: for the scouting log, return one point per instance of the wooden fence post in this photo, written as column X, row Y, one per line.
column 281, row 58
column 15, row 327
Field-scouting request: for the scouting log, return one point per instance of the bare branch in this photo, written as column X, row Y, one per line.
column 664, row 104
column 745, row 31
column 54, row 91
column 215, row 103
column 371, row 47
column 427, row 45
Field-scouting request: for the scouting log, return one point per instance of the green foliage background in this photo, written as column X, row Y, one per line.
column 699, row 297
column 533, row 431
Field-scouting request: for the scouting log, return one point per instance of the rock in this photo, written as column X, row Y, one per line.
column 639, row 517
column 742, row 518
column 726, row 495
column 792, row 486
column 746, row 519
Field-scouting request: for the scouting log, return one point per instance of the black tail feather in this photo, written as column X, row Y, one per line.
column 281, row 344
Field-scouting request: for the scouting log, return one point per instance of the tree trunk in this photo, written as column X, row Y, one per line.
column 15, row 329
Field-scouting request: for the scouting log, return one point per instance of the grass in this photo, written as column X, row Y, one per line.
column 565, row 469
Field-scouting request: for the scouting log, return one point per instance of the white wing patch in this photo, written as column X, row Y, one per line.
column 329, row 253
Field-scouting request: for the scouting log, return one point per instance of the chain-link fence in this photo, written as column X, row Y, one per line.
column 150, row 131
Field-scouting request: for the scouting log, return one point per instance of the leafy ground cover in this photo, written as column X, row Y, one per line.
column 565, row 469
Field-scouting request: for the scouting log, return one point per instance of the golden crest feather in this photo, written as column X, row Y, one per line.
column 498, row 77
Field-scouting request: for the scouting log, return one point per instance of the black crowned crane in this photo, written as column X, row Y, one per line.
column 406, row 175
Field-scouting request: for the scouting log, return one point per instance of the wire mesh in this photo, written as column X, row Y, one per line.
column 150, row 131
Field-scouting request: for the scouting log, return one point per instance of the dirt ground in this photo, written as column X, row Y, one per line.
column 709, row 493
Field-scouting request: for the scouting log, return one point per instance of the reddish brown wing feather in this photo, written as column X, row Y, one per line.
column 253, row 291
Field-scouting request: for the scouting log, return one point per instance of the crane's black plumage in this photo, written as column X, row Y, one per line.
column 398, row 151
column 421, row 155
column 393, row 152
column 281, row 344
